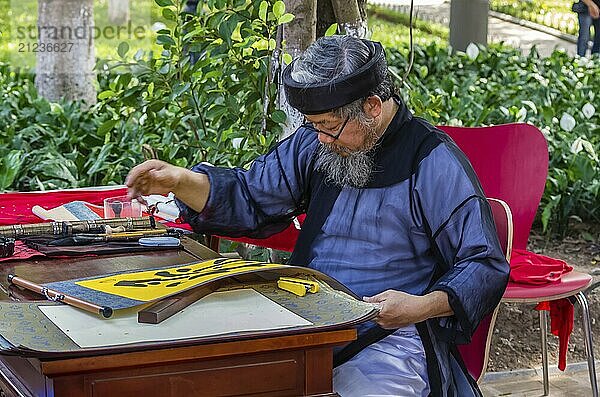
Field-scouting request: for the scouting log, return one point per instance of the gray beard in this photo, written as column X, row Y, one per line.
column 354, row 169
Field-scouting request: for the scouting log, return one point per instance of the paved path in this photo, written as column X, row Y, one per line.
column 574, row 382
column 499, row 30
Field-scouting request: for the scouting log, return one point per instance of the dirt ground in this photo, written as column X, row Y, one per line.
column 516, row 341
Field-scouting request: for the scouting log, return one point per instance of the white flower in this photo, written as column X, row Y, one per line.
column 588, row 110
column 237, row 142
column 567, row 122
column 583, row 61
column 577, row 146
column 580, row 144
column 472, row 51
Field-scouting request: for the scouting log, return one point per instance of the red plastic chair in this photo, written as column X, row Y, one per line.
column 511, row 162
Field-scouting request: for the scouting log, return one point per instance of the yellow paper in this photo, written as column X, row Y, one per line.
column 155, row 284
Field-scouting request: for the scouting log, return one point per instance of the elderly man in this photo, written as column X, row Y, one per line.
column 394, row 211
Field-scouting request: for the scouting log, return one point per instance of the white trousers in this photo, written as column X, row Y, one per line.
column 394, row 366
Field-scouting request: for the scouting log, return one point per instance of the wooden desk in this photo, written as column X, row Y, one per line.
column 288, row 365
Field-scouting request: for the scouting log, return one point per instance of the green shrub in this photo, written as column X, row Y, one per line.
column 42, row 145
column 502, row 86
column 187, row 113
column 212, row 110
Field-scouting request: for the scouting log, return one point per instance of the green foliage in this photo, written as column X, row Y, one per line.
column 45, row 145
column 555, row 14
column 211, row 110
column 421, row 27
column 502, row 86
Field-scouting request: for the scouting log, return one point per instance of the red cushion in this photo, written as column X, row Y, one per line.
column 568, row 285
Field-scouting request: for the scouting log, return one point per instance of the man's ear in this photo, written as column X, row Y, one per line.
column 373, row 106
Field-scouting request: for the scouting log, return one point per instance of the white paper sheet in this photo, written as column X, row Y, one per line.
column 215, row 314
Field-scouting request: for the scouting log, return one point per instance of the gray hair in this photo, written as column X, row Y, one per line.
column 333, row 57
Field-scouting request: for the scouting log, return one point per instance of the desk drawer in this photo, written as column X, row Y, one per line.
column 265, row 375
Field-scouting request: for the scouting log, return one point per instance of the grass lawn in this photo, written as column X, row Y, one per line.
column 556, row 14
column 391, row 29
column 19, row 20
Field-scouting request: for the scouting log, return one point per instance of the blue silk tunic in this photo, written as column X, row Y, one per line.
column 421, row 224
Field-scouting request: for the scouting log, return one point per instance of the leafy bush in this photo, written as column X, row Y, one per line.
column 43, row 145
column 421, row 28
column 501, row 85
column 210, row 111
column 214, row 109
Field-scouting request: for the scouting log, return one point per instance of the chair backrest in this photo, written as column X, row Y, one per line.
column 475, row 354
column 511, row 161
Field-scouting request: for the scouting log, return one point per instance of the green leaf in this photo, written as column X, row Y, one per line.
column 279, row 116
column 106, row 126
column 278, row 9
column 169, row 14
column 331, row 30
column 226, row 30
column 123, row 49
column 262, row 10
column 164, row 3
column 106, row 94
column 180, row 89
column 287, row 58
column 285, row 18
column 546, row 217
column 165, row 40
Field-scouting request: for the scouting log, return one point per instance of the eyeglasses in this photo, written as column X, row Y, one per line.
column 334, row 136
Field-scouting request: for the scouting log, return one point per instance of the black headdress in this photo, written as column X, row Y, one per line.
column 326, row 96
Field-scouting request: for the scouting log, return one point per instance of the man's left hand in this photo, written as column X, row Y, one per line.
column 399, row 309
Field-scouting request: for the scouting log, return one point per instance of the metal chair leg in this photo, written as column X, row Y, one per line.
column 589, row 346
column 544, row 330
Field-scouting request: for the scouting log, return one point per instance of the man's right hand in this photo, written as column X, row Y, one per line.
column 158, row 177
column 153, row 177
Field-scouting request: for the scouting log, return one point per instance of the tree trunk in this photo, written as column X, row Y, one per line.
column 298, row 35
column 468, row 23
column 118, row 12
column 326, row 16
column 65, row 62
column 349, row 18
column 302, row 31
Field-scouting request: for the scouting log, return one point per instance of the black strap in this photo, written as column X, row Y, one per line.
column 371, row 336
